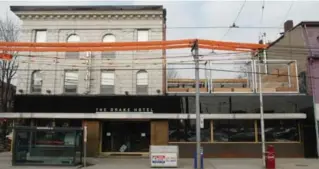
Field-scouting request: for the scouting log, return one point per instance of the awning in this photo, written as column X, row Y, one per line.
column 147, row 115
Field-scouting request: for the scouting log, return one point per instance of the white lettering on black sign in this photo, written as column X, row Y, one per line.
column 124, row 110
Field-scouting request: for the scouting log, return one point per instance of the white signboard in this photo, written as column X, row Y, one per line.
column 164, row 159
column 164, row 156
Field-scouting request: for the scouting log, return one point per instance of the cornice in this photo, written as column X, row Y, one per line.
column 89, row 16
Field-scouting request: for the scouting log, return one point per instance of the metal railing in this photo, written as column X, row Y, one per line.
column 234, row 76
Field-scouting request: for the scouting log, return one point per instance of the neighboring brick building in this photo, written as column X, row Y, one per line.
column 301, row 43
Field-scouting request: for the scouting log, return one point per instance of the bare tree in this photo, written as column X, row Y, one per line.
column 8, row 32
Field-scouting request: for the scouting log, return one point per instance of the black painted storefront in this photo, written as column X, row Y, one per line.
column 186, row 104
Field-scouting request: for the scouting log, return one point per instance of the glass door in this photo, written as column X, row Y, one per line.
column 126, row 136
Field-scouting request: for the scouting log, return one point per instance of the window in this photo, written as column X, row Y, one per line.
column 71, row 81
column 234, row 131
column 142, row 35
column 185, row 131
column 107, row 82
column 112, row 54
column 142, row 82
column 36, row 81
column 73, row 55
column 280, row 131
column 40, row 36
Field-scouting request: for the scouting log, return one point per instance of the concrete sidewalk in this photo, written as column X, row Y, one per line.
column 143, row 163
column 135, row 163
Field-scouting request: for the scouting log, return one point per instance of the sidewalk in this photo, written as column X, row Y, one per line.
column 135, row 163
column 143, row 163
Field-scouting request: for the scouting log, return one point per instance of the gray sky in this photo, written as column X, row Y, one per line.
column 212, row 14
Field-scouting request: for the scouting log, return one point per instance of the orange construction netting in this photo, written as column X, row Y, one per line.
column 124, row 46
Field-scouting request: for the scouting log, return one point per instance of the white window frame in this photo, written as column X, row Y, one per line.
column 40, row 35
column 73, row 38
column 107, row 78
column 108, row 38
column 142, row 78
column 75, row 78
column 36, row 80
column 142, row 35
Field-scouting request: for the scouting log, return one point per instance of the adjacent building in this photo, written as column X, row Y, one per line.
column 127, row 102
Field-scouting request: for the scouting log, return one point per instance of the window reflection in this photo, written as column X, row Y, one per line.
column 280, row 131
column 234, row 130
column 185, row 131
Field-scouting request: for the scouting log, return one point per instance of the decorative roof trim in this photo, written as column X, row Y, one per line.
column 89, row 16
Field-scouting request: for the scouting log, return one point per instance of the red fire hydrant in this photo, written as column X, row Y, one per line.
column 270, row 157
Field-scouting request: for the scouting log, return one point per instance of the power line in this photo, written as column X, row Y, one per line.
column 234, row 23
column 212, row 69
column 288, row 11
column 262, row 16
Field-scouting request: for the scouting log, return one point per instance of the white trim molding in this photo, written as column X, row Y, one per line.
column 149, row 115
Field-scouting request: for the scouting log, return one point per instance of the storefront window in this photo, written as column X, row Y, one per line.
column 234, row 131
column 185, row 131
column 280, row 131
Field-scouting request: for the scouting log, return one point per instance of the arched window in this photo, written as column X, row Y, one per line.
column 36, row 81
column 142, row 82
column 109, row 54
column 72, row 39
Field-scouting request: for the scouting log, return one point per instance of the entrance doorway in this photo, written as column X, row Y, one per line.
column 125, row 136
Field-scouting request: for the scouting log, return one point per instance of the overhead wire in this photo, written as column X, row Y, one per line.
column 190, row 68
column 287, row 14
column 234, row 23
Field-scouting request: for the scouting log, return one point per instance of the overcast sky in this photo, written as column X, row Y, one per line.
column 204, row 14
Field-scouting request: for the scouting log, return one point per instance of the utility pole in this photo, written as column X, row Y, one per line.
column 196, row 59
column 264, row 53
column 262, row 126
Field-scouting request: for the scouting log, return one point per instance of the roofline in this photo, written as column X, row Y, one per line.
column 86, row 8
column 302, row 23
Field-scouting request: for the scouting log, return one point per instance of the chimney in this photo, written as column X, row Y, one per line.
column 289, row 24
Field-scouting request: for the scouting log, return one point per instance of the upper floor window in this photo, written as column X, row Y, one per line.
column 71, row 79
column 142, row 35
column 72, row 55
column 36, row 81
column 40, row 36
column 107, row 81
column 142, row 82
column 109, row 54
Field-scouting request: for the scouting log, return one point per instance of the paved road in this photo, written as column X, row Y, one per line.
column 143, row 163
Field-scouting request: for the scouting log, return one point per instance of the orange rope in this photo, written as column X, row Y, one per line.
column 96, row 44
column 85, row 49
column 126, row 44
column 232, row 44
column 228, row 48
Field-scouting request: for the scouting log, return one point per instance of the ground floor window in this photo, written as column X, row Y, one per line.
column 234, row 131
column 280, row 131
column 185, row 131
